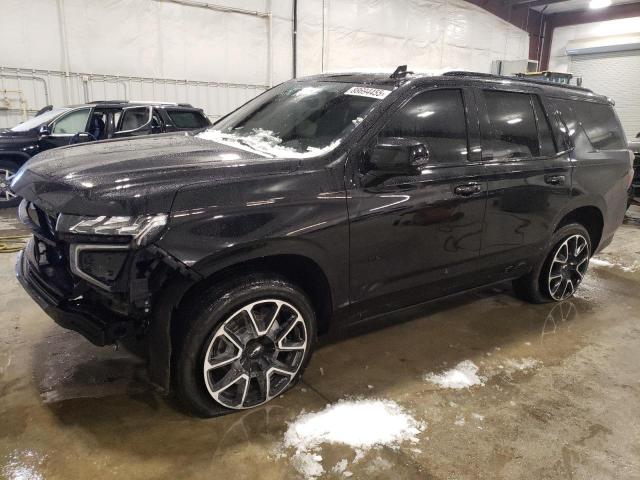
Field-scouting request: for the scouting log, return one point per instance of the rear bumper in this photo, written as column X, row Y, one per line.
column 97, row 325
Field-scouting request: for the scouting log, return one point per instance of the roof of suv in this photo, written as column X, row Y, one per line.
column 551, row 89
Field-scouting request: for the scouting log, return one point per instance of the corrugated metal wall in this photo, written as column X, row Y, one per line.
column 24, row 92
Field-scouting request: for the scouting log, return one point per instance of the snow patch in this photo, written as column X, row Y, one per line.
column 463, row 375
column 359, row 424
column 522, row 365
column 599, row 262
column 263, row 142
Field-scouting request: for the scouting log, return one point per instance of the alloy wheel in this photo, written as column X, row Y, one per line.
column 255, row 354
column 6, row 176
column 568, row 267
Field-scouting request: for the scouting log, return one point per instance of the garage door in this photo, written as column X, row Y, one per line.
column 616, row 75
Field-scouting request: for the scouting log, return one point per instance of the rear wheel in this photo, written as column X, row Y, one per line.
column 559, row 274
column 243, row 344
column 8, row 170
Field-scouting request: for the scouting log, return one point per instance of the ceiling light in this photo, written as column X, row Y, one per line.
column 595, row 4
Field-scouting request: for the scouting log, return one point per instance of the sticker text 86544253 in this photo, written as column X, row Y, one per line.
column 368, row 92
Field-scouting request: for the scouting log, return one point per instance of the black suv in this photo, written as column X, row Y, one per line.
column 55, row 127
column 323, row 201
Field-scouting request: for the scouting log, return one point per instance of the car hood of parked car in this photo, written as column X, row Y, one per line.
column 134, row 176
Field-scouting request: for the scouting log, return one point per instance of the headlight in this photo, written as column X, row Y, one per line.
column 143, row 229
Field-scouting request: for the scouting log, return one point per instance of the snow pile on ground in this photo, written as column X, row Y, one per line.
column 463, row 375
column 599, row 262
column 360, row 424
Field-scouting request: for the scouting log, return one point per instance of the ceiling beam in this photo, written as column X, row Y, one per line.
column 536, row 3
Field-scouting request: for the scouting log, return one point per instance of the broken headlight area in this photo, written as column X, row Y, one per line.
column 141, row 229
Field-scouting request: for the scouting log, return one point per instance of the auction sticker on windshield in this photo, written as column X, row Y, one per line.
column 367, row 92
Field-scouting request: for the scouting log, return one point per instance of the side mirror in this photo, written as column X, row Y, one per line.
column 397, row 156
column 44, row 130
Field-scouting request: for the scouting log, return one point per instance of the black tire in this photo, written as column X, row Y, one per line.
column 534, row 287
column 199, row 334
column 7, row 199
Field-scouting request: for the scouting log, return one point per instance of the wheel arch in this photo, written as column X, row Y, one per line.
column 179, row 291
column 19, row 158
column 590, row 217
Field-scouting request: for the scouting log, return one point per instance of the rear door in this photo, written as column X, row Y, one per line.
column 413, row 238
column 528, row 179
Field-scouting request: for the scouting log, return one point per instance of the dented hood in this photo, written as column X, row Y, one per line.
column 134, row 176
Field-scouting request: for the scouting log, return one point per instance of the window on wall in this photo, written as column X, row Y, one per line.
column 514, row 125
column 437, row 119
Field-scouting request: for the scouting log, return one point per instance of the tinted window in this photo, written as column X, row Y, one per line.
column 600, row 124
column 437, row 119
column 547, row 145
column 569, row 118
column 186, row 119
column 133, row 118
column 514, row 125
column 72, row 123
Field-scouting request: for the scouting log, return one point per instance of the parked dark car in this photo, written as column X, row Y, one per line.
column 324, row 201
column 56, row 127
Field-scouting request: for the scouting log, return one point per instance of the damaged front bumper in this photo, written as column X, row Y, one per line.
column 103, row 314
column 98, row 325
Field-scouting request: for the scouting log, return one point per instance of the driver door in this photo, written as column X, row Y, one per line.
column 413, row 238
column 67, row 129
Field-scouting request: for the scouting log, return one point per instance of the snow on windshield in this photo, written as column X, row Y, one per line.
column 39, row 120
column 263, row 142
column 298, row 119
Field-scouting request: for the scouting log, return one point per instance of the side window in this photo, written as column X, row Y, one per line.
column 600, row 124
column 547, row 145
column 514, row 124
column 72, row 123
column 133, row 118
column 436, row 118
column 186, row 119
column 568, row 117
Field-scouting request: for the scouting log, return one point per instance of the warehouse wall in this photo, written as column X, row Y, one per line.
column 177, row 51
column 610, row 29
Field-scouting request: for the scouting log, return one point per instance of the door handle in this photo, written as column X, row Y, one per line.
column 467, row 189
column 554, row 179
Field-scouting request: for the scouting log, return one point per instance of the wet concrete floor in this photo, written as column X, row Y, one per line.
column 72, row 410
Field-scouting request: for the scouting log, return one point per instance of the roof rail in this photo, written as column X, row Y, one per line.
column 461, row 73
column 99, row 102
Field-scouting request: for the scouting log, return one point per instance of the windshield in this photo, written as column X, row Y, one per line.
column 297, row 119
column 34, row 122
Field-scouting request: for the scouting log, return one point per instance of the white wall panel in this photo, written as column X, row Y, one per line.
column 425, row 34
column 218, row 60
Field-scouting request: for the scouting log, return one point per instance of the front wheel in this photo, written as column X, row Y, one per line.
column 559, row 274
column 244, row 343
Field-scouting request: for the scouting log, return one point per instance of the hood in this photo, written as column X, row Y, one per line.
column 9, row 136
column 134, row 176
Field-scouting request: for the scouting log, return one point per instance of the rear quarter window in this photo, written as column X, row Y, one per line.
column 186, row 119
column 600, row 124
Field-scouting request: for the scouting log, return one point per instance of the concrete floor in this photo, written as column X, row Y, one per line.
column 71, row 410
